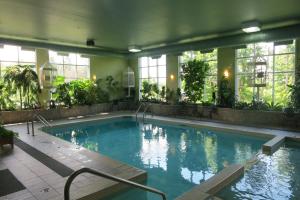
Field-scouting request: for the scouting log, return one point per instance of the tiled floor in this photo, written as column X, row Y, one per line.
column 43, row 183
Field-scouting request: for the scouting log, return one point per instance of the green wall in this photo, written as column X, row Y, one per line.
column 226, row 61
column 172, row 69
column 103, row 66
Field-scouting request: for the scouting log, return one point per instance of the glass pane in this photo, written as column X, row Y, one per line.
column 82, row 60
column 9, row 53
column 152, row 62
column 290, row 48
column 5, row 65
column 162, row 71
column 161, row 82
column 54, row 58
column 284, row 62
column 144, row 62
column 71, row 59
column 82, row 72
column 162, row 60
column 245, row 52
column 152, row 72
column 70, row 72
column 263, row 48
column 213, row 68
column 281, row 89
column 27, row 56
column 60, row 70
column 245, row 91
column 265, row 93
column 144, row 72
column 209, row 87
column 244, row 66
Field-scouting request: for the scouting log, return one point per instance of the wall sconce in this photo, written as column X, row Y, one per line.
column 226, row 73
column 94, row 77
column 172, row 77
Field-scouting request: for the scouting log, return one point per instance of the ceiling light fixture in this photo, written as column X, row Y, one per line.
column 251, row 27
column 134, row 49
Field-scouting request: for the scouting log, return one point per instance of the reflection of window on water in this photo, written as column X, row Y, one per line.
column 154, row 147
column 279, row 71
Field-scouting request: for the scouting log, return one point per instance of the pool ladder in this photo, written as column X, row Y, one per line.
column 41, row 119
column 108, row 176
column 146, row 107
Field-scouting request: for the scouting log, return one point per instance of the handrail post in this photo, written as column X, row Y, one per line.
column 32, row 126
column 27, row 123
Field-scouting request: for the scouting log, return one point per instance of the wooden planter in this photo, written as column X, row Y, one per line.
column 7, row 140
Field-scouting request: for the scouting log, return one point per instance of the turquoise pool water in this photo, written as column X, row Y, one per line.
column 275, row 177
column 175, row 157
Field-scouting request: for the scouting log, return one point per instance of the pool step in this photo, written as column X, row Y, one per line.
column 273, row 145
column 214, row 184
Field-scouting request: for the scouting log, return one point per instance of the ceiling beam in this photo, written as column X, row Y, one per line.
column 63, row 47
column 290, row 32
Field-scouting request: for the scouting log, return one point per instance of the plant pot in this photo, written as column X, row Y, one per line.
column 7, row 140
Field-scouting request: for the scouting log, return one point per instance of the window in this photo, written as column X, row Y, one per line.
column 11, row 55
column 278, row 72
column 211, row 79
column 153, row 70
column 70, row 65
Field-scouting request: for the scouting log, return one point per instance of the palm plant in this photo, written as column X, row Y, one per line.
column 24, row 80
column 13, row 79
column 30, row 84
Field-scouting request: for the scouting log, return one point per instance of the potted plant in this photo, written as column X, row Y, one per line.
column 7, row 137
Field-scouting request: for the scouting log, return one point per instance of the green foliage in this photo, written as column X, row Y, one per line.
column 257, row 105
column 150, row 92
column 102, row 94
column 62, row 94
column 113, row 87
column 194, row 74
column 5, row 98
column 23, row 80
column 295, row 94
column 226, row 94
column 83, row 92
column 4, row 133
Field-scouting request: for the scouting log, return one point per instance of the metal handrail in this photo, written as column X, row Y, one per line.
column 145, row 110
column 137, row 111
column 42, row 119
column 108, row 176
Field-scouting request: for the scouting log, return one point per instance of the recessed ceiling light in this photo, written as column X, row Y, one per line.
column 251, row 27
column 134, row 49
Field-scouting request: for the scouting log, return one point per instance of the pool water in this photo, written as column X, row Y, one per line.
column 272, row 177
column 175, row 157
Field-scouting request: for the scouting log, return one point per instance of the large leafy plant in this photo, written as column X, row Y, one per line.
column 84, row 92
column 4, row 133
column 226, row 94
column 295, row 94
column 24, row 81
column 194, row 74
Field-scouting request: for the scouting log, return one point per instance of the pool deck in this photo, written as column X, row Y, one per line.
column 43, row 183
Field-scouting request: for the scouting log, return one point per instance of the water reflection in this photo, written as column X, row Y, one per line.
column 175, row 157
column 273, row 177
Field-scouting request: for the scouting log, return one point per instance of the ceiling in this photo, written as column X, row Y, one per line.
column 116, row 24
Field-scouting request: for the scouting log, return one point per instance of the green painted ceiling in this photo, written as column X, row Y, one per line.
column 116, row 24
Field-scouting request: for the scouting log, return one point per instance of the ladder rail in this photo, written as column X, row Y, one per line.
column 139, row 108
column 145, row 110
column 108, row 176
column 42, row 119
